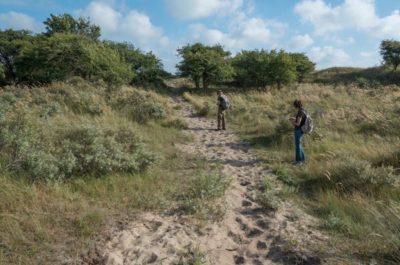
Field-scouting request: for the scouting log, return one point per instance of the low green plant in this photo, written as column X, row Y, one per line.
column 200, row 196
column 176, row 123
column 192, row 256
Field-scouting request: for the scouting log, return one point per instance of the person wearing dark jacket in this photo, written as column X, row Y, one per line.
column 298, row 121
column 221, row 102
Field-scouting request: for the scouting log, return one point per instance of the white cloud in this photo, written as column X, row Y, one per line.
column 329, row 56
column 351, row 14
column 339, row 41
column 103, row 15
column 300, row 42
column 17, row 21
column 243, row 32
column 132, row 26
column 192, row 9
column 140, row 27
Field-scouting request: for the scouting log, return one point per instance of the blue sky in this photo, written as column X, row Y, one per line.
column 330, row 32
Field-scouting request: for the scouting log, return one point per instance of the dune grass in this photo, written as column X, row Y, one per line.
column 119, row 149
column 352, row 176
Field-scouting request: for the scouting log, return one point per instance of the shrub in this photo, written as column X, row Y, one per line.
column 29, row 149
column 94, row 150
column 140, row 107
column 351, row 174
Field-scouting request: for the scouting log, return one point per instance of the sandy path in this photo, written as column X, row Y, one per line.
column 247, row 234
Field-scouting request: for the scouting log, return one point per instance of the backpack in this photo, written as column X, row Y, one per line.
column 308, row 126
column 225, row 104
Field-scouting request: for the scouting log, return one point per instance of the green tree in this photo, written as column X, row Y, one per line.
column 260, row 68
column 390, row 51
column 282, row 69
column 304, row 66
column 11, row 44
column 146, row 66
column 65, row 23
column 204, row 64
column 62, row 56
column 2, row 75
column 251, row 68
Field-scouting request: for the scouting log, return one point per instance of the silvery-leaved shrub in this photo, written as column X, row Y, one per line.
column 27, row 149
column 138, row 106
column 92, row 150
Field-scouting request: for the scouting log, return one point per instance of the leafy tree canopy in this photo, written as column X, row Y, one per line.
column 204, row 64
column 390, row 51
column 146, row 66
column 11, row 43
column 65, row 23
column 62, row 56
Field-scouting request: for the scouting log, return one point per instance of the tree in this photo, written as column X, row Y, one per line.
column 261, row 68
column 2, row 75
column 303, row 65
column 251, row 68
column 390, row 51
column 204, row 64
column 62, row 56
column 146, row 66
column 282, row 69
column 65, row 23
column 11, row 44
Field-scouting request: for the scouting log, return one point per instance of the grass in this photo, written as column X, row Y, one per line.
column 351, row 178
column 50, row 220
column 192, row 256
column 373, row 77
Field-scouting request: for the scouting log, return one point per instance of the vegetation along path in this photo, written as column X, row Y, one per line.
column 249, row 232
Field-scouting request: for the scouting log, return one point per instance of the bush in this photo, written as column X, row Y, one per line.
column 94, row 150
column 351, row 174
column 28, row 149
column 140, row 107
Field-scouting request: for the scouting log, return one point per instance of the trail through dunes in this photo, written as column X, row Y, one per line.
column 248, row 233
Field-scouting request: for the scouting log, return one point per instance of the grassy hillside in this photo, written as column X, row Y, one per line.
column 77, row 157
column 351, row 178
column 362, row 77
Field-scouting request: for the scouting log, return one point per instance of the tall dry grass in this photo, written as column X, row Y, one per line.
column 352, row 175
column 120, row 149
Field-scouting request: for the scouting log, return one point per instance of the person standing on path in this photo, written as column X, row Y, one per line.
column 223, row 105
column 298, row 122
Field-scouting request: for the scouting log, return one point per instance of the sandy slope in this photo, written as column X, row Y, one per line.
column 247, row 234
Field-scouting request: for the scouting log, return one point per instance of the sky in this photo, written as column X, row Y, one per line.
column 330, row 32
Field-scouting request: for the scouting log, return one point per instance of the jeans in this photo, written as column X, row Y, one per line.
column 298, row 135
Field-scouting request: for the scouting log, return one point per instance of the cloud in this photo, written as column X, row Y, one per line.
column 300, row 42
column 351, row 14
column 139, row 26
column 17, row 21
column 133, row 26
column 192, row 9
column 329, row 56
column 243, row 32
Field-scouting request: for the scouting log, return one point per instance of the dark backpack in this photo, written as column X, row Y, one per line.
column 225, row 104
